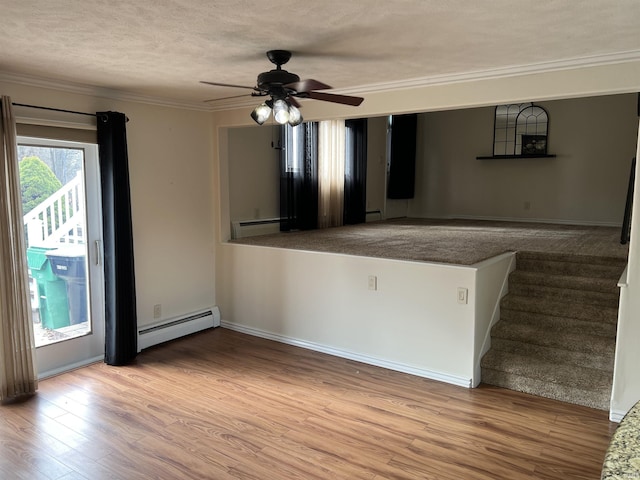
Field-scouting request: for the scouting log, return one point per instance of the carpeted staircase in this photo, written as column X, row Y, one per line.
column 557, row 328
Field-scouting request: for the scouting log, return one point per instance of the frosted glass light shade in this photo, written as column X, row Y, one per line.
column 281, row 112
column 261, row 113
column 295, row 117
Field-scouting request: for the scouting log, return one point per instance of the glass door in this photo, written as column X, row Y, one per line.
column 63, row 226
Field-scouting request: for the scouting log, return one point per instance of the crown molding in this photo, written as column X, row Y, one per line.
column 495, row 73
column 230, row 104
column 89, row 90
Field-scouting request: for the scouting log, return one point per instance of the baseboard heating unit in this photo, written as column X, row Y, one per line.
column 373, row 215
column 177, row 327
column 249, row 228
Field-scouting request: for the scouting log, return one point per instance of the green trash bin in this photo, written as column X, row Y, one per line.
column 52, row 290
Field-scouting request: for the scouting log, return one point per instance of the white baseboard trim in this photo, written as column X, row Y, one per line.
column 398, row 367
column 616, row 415
column 68, row 368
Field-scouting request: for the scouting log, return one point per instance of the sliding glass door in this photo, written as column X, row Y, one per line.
column 63, row 224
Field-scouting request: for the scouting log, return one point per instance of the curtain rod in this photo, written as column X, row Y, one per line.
column 54, row 109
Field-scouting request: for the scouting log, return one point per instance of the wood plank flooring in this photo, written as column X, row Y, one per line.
column 223, row 405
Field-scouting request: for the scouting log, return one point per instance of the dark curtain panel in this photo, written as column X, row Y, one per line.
column 402, row 161
column 625, row 236
column 121, row 324
column 299, row 177
column 355, row 172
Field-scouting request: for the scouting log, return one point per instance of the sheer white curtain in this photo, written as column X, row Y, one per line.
column 331, row 158
column 17, row 347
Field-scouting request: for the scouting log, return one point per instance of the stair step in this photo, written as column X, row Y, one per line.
column 554, row 355
column 566, row 295
column 564, row 382
column 591, row 313
column 591, row 284
column 599, row 399
column 575, row 342
column 557, row 330
column 542, row 369
column 552, row 324
column 572, row 258
column 565, row 268
column 572, row 265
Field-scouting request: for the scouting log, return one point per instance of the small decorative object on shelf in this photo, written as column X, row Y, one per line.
column 520, row 131
column 534, row 145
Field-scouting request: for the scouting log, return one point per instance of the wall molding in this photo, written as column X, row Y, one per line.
column 337, row 352
column 502, row 72
column 94, row 91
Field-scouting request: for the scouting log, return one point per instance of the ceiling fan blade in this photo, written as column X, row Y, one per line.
column 227, row 98
column 293, row 101
column 216, row 84
column 307, row 85
column 332, row 97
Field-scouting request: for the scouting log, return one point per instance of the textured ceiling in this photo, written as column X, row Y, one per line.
column 162, row 48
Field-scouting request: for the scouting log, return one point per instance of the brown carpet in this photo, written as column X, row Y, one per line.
column 556, row 336
column 462, row 242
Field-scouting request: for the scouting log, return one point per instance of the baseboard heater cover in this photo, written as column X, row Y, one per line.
column 177, row 327
column 373, row 215
column 249, row 228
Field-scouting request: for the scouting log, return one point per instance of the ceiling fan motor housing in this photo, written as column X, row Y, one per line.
column 276, row 79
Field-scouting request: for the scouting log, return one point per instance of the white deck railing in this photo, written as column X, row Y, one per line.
column 59, row 218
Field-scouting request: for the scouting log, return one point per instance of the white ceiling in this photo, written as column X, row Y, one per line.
column 162, row 48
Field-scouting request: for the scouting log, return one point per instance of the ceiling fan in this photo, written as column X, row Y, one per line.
column 284, row 87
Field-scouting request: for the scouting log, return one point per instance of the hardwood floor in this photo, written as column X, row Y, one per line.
column 224, row 405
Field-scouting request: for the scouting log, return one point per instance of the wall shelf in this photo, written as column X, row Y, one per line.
column 497, row 157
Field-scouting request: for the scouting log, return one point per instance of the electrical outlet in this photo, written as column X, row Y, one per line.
column 527, row 205
column 462, row 295
column 373, row 282
column 157, row 311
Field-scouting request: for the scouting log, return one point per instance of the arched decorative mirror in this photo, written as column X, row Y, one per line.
column 531, row 131
column 520, row 129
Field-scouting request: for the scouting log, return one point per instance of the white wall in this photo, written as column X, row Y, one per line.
column 491, row 285
column 170, row 152
column 254, row 173
column 594, row 140
column 412, row 322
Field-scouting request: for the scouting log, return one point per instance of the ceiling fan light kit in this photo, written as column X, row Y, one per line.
column 282, row 87
column 283, row 113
